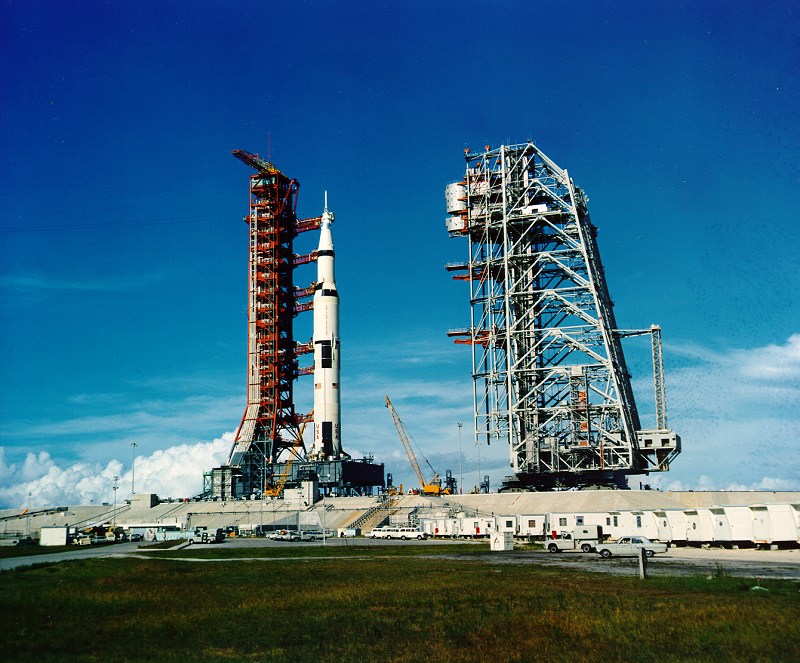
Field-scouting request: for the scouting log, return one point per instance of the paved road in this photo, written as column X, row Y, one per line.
column 80, row 552
column 677, row 561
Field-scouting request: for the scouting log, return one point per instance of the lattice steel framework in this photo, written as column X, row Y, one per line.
column 549, row 373
column 270, row 424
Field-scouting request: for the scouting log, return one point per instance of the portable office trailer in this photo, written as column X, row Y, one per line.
column 722, row 529
column 663, row 526
column 475, row 526
column 531, row 526
column 774, row 523
column 796, row 511
column 439, row 526
column 699, row 526
column 505, row 524
column 567, row 522
column 678, row 526
column 642, row 523
column 732, row 525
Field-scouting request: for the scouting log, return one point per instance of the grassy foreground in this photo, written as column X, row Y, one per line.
column 385, row 609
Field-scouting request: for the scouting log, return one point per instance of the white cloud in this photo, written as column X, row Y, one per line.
column 173, row 472
column 736, row 413
column 706, row 483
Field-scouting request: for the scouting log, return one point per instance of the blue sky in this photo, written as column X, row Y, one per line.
column 123, row 254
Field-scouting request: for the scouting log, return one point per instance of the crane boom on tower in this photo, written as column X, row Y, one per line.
column 255, row 162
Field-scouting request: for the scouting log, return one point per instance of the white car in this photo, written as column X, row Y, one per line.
column 286, row 535
column 630, row 546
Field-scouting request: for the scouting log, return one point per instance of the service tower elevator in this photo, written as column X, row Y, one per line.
column 549, row 375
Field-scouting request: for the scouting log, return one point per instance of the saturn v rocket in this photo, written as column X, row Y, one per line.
column 327, row 407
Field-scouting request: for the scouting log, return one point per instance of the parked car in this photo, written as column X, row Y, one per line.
column 287, row 535
column 630, row 546
column 310, row 534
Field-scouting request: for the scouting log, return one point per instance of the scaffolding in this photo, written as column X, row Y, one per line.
column 549, row 374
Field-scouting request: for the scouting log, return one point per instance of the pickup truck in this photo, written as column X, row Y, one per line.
column 584, row 539
column 567, row 543
column 630, row 546
column 201, row 535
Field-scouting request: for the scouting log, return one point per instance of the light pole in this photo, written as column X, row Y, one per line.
column 133, row 469
column 114, row 512
column 28, row 528
column 460, row 465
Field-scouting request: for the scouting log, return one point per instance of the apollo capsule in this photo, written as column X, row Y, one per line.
column 327, row 408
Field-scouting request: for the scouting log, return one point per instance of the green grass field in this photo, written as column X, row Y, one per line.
column 383, row 607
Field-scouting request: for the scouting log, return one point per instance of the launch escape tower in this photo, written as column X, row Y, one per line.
column 549, row 374
column 270, row 426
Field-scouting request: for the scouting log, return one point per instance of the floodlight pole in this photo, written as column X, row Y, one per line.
column 133, row 469
column 114, row 512
column 460, row 464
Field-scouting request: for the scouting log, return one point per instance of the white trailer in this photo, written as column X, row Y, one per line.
column 643, row 523
column 531, row 526
column 475, row 526
column 774, row 523
column 678, row 525
column 557, row 522
column 439, row 526
column 722, row 528
column 699, row 526
column 505, row 524
column 733, row 525
column 663, row 526
column 54, row 536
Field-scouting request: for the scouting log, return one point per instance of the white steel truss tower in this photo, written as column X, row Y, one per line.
column 549, row 374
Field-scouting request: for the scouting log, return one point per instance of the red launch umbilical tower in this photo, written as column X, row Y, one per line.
column 270, row 423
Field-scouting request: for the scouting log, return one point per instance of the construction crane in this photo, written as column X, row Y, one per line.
column 277, row 488
column 434, row 487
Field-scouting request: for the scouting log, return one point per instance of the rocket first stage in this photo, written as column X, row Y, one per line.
column 327, row 408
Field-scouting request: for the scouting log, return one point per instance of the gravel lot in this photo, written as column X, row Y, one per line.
column 676, row 561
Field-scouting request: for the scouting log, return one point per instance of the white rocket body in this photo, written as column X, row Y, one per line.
column 327, row 408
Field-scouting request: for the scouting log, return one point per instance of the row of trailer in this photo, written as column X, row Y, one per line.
column 728, row 526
